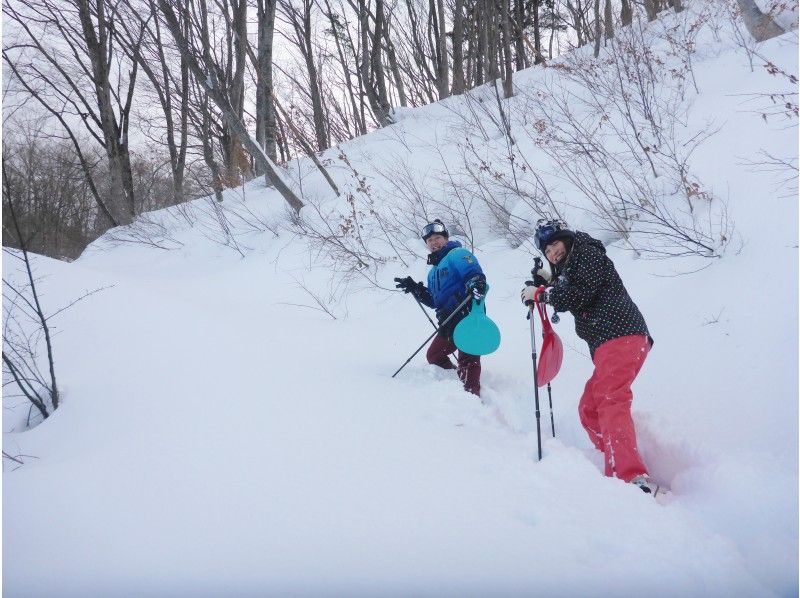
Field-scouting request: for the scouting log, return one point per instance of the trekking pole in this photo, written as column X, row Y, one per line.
column 535, row 375
column 549, row 388
column 435, row 332
column 423, row 311
column 537, row 266
column 550, row 393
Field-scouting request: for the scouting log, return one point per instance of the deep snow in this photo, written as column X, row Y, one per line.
column 221, row 436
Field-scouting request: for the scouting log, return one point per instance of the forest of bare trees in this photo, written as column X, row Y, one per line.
column 112, row 109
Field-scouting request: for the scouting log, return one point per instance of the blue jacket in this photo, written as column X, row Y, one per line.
column 452, row 267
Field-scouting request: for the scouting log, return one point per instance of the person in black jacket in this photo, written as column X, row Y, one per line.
column 585, row 282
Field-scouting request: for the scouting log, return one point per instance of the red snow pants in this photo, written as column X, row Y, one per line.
column 469, row 366
column 605, row 407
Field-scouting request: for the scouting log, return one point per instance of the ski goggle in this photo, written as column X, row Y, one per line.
column 434, row 228
column 544, row 234
column 545, row 230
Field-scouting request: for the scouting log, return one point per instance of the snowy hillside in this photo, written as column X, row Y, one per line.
column 230, row 426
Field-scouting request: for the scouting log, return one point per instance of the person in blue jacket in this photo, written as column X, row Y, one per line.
column 455, row 274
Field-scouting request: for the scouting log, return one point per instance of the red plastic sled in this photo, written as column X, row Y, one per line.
column 552, row 350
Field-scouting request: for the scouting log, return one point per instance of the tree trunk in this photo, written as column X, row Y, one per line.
column 421, row 53
column 338, row 32
column 490, row 57
column 282, row 140
column 298, row 135
column 459, row 81
column 208, row 155
column 265, row 107
column 598, row 28
column 578, row 24
column 537, row 36
column 180, row 167
column 760, row 25
column 313, row 78
column 376, row 61
column 479, row 42
column 442, row 56
column 650, row 9
column 237, row 162
column 609, row 20
column 508, row 73
column 371, row 67
column 626, row 13
column 519, row 26
column 121, row 201
column 395, row 67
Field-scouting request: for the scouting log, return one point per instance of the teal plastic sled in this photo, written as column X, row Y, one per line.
column 477, row 334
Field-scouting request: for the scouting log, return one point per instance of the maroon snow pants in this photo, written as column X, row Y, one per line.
column 469, row 366
column 605, row 407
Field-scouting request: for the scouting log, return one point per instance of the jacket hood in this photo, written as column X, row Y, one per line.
column 582, row 238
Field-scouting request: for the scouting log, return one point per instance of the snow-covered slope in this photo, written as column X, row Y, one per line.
column 220, row 434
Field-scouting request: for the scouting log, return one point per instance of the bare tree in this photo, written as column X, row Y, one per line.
column 492, row 56
column 73, row 75
column 60, row 113
column 371, row 65
column 508, row 73
column 300, row 21
column 47, row 188
column 19, row 352
column 394, row 63
column 99, row 38
column 537, row 35
column 760, row 25
column 579, row 13
column 437, row 19
column 459, row 80
column 631, row 160
column 651, row 9
column 210, row 82
column 265, row 109
column 145, row 44
column 347, row 52
column 519, row 34
column 598, row 28
column 236, row 161
column 626, row 13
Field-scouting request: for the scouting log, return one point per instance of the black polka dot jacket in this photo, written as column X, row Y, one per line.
column 588, row 286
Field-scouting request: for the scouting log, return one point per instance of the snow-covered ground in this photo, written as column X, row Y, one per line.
column 221, row 435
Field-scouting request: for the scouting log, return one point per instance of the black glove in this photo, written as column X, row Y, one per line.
column 540, row 281
column 477, row 286
column 408, row 285
column 541, row 276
